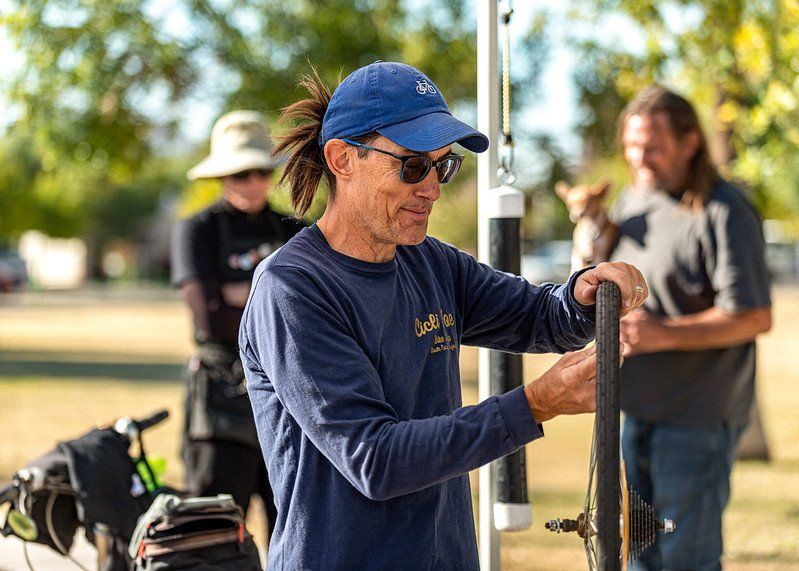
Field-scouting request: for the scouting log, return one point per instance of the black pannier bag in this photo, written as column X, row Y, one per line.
column 52, row 510
column 108, row 489
column 90, row 482
column 217, row 404
column 202, row 533
column 109, row 493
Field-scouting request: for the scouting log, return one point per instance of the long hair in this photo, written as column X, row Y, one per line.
column 306, row 165
column 682, row 120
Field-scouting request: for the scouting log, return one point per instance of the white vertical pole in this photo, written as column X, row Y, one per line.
column 487, row 165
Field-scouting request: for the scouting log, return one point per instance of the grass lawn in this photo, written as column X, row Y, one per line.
column 68, row 362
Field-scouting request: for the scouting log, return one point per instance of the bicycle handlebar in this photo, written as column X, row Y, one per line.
column 151, row 420
column 125, row 426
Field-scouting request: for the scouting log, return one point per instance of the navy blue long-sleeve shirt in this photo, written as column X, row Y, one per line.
column 352, row 370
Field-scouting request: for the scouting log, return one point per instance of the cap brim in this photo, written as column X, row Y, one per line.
column 219, row 166
column 434, row 131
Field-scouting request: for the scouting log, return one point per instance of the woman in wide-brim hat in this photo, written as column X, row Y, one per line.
column 240, row 141
column 214, row 254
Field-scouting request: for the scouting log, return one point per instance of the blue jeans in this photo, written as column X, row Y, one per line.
column 684, row 473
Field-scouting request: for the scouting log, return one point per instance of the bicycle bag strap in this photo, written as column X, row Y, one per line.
column 188, row 542
column 206, row 504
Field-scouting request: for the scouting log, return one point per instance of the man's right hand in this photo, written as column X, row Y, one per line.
column 569, row 387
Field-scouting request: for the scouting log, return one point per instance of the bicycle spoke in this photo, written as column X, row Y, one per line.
column 591, row 472
column 590, row 553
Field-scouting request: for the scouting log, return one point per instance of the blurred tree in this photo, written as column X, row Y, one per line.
column 105, row 86
column 21, row 206
column 546, row 217
column 84, row 97
column 737, row 61
column 267, row 44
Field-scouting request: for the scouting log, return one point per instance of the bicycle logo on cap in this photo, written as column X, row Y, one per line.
column 423, row 87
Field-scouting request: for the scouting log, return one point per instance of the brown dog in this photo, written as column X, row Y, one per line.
column 595, row 236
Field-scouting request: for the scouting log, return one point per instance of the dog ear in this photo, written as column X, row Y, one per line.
column 600, row 189
column 562, row 190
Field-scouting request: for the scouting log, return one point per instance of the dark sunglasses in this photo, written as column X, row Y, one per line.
column 244, row 175
column 414, row 168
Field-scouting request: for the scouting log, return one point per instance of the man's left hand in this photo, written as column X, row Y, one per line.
column 632, row 286
column 642, row 332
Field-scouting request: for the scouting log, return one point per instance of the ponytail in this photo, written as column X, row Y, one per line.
column 306, row 164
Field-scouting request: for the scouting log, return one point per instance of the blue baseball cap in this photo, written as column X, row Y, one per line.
column 400, row 103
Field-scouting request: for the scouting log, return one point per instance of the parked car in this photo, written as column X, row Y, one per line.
column 13, row 274
column 782, row 259
column 550, row 262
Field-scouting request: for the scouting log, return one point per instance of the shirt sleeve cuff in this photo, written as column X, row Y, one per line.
column 522, row 427
column 587, row 311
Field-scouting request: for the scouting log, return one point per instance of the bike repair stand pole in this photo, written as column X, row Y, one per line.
column 505, row 212
column 512, row 511
column 503, row 486
column 487, row 165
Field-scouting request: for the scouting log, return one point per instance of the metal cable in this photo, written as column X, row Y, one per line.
column 506, row 74
column 27, row 556
column 505, row 174
column 48, row 516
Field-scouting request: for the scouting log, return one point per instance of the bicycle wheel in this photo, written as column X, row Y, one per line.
column 616, row 526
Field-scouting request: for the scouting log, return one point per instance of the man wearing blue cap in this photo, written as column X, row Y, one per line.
column 351, row 336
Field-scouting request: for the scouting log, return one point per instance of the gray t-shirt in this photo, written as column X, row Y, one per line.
column 692, row 262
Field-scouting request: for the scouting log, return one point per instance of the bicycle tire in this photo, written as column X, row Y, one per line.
column 608, row 501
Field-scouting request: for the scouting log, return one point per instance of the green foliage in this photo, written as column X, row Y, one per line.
column 546, row 217
column 737, row 61
column 104, row 88
column 88, row 65
column 454, row 217
column 269, row 43
column 109, row 214
column 85, row 125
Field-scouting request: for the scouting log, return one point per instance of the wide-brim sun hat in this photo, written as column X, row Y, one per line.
column 240, row 141
column 402, row 104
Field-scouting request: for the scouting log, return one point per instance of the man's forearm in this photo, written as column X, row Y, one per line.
column 192, row 293
column 713, row 329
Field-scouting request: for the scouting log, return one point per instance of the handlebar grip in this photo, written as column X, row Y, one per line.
column 152, row 420
column 9, row 493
